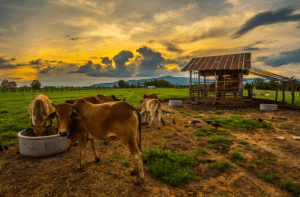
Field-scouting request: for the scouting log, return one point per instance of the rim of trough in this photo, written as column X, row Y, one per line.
column 38, row 137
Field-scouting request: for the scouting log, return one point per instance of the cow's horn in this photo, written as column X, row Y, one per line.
column 54, row 105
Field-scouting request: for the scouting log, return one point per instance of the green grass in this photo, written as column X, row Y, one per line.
column 171, row 168
column 219, row 112
column 236, row 155
column 184, row 112
column 268, row 177
column 217, row 141
column 203, row 131
column 266, row 160
column 200, row 151
column 220, row 165
column 234, row 122
column 290, row 186
column 243, row 142
column 126, row 163
column 14, row 106
column 256, row 161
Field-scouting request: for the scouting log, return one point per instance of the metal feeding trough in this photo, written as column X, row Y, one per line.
column 175, row 103
column 40, row 146
column 268, row 107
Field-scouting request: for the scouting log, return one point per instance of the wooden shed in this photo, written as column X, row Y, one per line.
column 218, row 77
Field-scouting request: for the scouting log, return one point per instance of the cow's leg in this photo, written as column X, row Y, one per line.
column 82, row 146
column 137, row 154
column 97, row 159
column 152, row 115
column 159, row 118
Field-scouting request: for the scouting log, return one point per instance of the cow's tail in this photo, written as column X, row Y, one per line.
column 158, row 113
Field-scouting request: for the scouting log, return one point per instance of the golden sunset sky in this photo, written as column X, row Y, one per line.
column 83, row 42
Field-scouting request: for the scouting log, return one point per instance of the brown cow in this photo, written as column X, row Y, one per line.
column 96, row 99
column 153, row 108
column 39, row 108
column 108, row 121
column 150, row 96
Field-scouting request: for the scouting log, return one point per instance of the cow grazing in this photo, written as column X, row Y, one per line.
column 108, row 121
column 39, row 108
column 150, row 96
column 153, row 108
column 96, row 99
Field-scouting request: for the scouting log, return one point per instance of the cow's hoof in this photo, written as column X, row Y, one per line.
column 138, row 182
column 78, row 169
column 134, row 172
column 148, row 126
column 97, row 160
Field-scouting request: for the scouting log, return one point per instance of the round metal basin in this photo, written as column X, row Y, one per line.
column 268, row 107
column 175, row 103
column 40, row 146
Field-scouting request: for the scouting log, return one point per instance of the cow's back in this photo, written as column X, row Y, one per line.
column 40, row 104
column 150, row 96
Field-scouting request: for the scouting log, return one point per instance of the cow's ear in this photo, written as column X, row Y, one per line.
column 75, row 115
column 51, row 116
column 54, row 105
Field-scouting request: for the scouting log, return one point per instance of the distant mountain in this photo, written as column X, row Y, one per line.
column 173, row 80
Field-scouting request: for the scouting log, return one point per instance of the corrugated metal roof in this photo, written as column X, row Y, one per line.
column 241, row 61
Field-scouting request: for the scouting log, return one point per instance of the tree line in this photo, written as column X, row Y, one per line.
column 36, row 85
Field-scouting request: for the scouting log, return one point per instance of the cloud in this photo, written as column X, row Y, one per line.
column 74, row 39
column 282, row 58
column 120, row 60
column 267, row 18
column 6, row 64
column 172, row 47
column 106, row 60
column 149, row 62
column 252, row 47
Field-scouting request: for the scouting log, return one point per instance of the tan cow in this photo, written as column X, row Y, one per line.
column 108, row 121
column 39, row 108
column 150, row 96
column 153, row 108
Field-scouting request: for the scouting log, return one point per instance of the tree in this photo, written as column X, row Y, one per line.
column 4, row 84
column 126, row 85
column 258, row 83
column 12, row 84
column 121, row 84
column 132, row 86
column 35, row 84
column 114, row 86
column 138, row 85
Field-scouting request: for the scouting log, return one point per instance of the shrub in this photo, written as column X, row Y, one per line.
column 290, row 186
column 268, row 177
column 237, row 155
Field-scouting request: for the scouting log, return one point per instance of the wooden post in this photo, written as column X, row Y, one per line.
column 190, row 85
column 276, row 88
column 216, row 87
column 205, row 93
column 241, row 85
column 292, row 92
column 283, row 95
column 198, row 89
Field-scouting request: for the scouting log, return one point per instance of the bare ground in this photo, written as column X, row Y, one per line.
column 56, row 175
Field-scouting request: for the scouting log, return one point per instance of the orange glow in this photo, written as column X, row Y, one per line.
column 25, row 73
column 172, row 67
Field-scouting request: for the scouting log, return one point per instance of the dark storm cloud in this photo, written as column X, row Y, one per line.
column 172, row 47
column 150, row 61
column 7, row 64
column 267, row 18
column 252, row 47
column 282, row 58
column 97, row 70
column 36, row 62
column 212, row 33
column 106, row 60
column 46, row 70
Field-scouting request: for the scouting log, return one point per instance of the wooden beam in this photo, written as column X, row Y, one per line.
column 293, row 92
column 276, row 88
column 205, row 93
column 190, row 85
column 216, row 87
column 241, row 86
column 283, row 94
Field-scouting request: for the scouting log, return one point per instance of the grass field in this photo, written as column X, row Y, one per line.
column 13, row 106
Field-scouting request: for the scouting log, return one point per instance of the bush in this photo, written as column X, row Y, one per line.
column 237, row 155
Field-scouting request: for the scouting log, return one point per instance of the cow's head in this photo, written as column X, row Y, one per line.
column 64, row 114
column 39, row 128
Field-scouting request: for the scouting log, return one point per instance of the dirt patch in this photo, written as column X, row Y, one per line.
column 56, row 175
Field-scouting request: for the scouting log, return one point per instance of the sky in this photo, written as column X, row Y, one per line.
column 85, row 42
